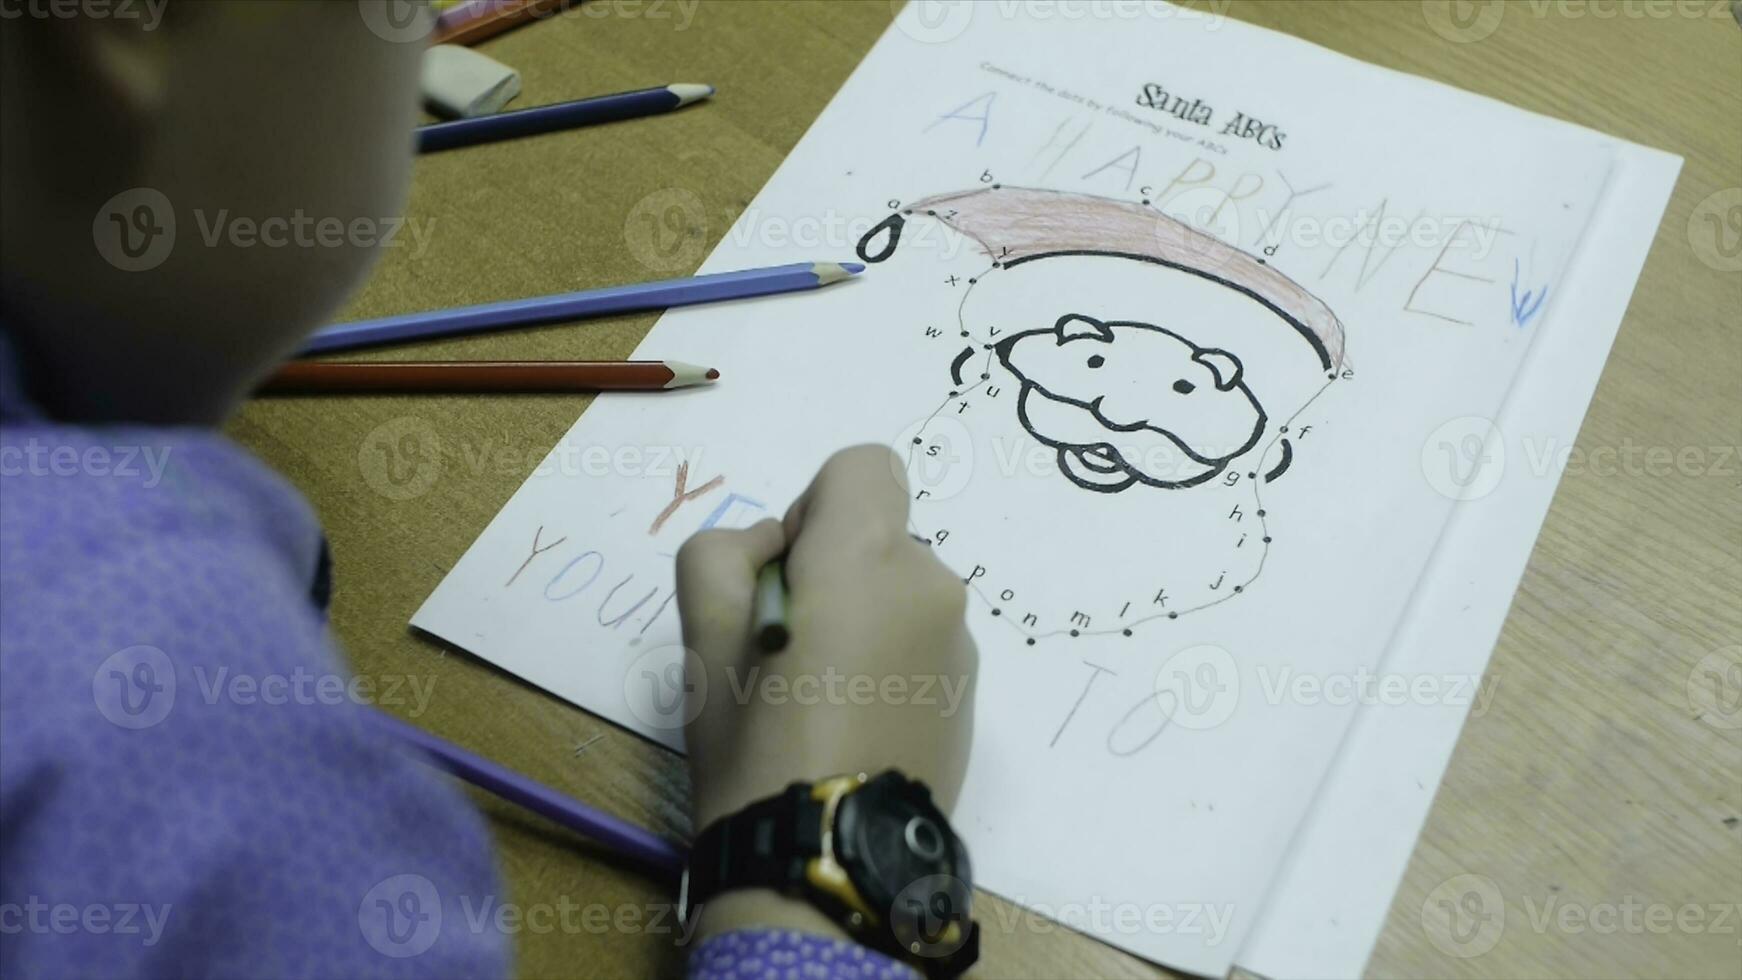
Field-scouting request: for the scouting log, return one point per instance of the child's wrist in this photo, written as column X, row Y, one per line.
column 763, row 908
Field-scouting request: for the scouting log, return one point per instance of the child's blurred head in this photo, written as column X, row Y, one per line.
column 274, row 134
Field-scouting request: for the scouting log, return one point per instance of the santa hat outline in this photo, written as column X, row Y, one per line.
column 1014, row 225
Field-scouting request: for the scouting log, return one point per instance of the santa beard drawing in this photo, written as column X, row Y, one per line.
column 1117, row 397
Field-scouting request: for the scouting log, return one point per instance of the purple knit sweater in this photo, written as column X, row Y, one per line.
column 186, row 788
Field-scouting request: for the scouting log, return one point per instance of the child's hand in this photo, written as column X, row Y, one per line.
column 880, row 670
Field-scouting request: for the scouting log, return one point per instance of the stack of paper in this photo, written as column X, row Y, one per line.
column 1209, row 352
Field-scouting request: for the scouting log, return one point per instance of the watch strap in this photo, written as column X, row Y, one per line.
column 765, row 845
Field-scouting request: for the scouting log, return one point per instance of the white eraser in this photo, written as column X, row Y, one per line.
column 458, row 81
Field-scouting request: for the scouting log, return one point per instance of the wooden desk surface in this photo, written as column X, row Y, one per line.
column 1590, row 782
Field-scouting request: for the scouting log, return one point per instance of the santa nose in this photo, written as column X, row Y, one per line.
column 1075, row 326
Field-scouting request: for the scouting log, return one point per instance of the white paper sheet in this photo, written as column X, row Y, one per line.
column 1208, row 299
column 1326, row 908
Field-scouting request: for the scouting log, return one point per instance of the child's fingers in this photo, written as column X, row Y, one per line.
column 861, row 489
column 716, row 582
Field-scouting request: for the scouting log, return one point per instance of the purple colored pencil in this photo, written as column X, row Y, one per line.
column 562, row 115
column 636, row 843
column 462, row 13
column 576, row 306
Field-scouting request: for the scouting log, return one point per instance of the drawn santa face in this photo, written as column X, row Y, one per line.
column 1112, row 387
column 1127, row 402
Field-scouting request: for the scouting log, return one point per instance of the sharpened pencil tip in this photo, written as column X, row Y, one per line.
column 688, row 92
column 827, row 272
column 686, row 375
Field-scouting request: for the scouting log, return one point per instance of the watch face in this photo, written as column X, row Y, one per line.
column 902, row 856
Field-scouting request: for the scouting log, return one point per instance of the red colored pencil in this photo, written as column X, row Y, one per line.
column 363, row 377
column 479, row 20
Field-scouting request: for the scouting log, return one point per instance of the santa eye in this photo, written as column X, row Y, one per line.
column 1096, row 361
column 1184, row 387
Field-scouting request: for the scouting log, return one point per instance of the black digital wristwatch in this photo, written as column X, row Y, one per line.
column 873, row 853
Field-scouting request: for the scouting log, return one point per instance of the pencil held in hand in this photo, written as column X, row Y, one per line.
column 336, row 377
column 772, row 633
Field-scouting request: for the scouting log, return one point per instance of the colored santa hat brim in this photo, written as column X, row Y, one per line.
column 1018, row 224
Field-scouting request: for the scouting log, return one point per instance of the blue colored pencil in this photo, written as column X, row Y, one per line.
column 563, row 115
column 576, row 306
